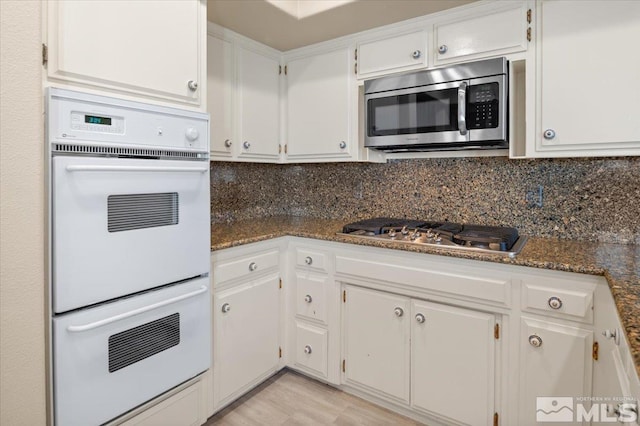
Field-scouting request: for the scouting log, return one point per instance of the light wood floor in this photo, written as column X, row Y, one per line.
column 289, row 398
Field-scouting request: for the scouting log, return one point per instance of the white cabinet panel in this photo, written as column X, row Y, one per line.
column 246, row 336
column 129, row 46
column 259, row 104
column 449, row 347
column 377, row 352
column 588, row 72
column 392, row 54
column 318, row 106
column 311, row 349
column 495, row 32
column 311, row 296
column 555, row 361
column 220, row 86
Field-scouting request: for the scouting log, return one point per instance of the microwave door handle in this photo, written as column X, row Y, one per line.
column 100, row 323
column 96, row 168
column 462, row 108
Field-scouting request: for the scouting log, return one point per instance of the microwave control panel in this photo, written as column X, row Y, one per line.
column 483, row 106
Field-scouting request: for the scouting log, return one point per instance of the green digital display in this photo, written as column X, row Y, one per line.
column 94, row 119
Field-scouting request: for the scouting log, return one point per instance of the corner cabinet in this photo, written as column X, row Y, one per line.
column 587, row 78
column 129, row 48
column 319, row 99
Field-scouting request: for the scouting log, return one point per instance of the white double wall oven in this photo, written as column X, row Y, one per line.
column 129, row 252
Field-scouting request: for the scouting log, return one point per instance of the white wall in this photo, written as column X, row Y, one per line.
column 22, row 315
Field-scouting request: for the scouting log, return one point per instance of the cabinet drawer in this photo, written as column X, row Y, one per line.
column 392, row 54
column 311, row 297
column 245, row 267
column 311, row 348
column 568, row 300
column 500, row 32
column 311, row 259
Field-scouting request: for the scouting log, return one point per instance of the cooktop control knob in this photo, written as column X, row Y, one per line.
column 437, row 238
column 404, row 230
column 392, row 233
column 192, row 134
column 415, row 234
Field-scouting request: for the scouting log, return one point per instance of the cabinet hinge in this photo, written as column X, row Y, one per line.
column 594, row 351
column 496, row 419
column 285, row 148
column 355, row 55
column 529, row 34
column 279, row 69
column 279, row 149
column 496, row 331
column 45, row 54
column 344, row 296
column 355, row 68
column 279, row 352
column 285, row 70
column 280, row 286
column 529, row 16
column 344, row 365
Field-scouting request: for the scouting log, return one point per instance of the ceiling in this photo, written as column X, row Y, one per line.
column 271, row 25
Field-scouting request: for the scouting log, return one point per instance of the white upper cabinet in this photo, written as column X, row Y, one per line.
column 130, row 47
column 259, row 105
column 220, row 86
column 319, row 99
column 498, row 29
column 588, row 72
column 392, row 54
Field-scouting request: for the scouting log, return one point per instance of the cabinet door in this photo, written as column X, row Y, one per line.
column 497, row 32
column 588, row 77
column 555, row 361
column 318, row 112
column 129, row 46
column 453, row 362
column 392, row 54
column 220, row 83
column 246, row 336
column 376, row 327
column 259, row 105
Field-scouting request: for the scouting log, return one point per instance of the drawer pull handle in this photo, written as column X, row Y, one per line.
column 226, row 308
column 416, row 54
column 308, row 260
column 420, row 318
column 535, row 341
column 253, row 266
column 443, row 49
column 555, row 303
column 308, row 298
column 308, row 349
column 398, row 311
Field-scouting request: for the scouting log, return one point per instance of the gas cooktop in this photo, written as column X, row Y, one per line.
column 478, row 238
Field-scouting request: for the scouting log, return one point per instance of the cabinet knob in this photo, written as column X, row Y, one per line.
column 555, row 303
column 246, row 145
column 308, row 298
column 535, row 341
column 226, row 308
column 416, row 54
column 343, row 144
column 308, row 260
column 227, row 143
column 308, row 349
column 420, row 318
column 192, row 85
column 443, row 49
column 398, row 311
column 253, row 266
column 549, row 134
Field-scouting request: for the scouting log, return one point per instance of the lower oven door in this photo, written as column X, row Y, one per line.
column 121, row 226
column 114, row 357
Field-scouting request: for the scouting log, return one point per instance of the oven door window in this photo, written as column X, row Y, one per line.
column 412, row 113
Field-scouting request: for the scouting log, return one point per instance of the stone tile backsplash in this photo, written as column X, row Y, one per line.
column 585, row 199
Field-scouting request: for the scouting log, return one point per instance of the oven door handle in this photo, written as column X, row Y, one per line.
column 96, row 324
column 91, row 168
column 462, row 108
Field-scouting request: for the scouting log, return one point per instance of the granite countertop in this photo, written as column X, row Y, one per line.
column 619, row 263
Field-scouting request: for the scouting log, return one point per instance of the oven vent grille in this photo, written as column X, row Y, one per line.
column 128, row 152
column 143, row 341
column 138, row 211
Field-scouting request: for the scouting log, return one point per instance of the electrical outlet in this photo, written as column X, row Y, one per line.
column 534, row 197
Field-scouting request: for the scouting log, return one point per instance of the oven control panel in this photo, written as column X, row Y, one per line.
column 88, row 122
column 483, row 106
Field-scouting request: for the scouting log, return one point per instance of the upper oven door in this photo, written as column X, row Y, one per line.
column 416, row 116
column 121, row 226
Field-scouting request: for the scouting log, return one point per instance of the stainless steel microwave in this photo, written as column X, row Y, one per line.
column 457, row 107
